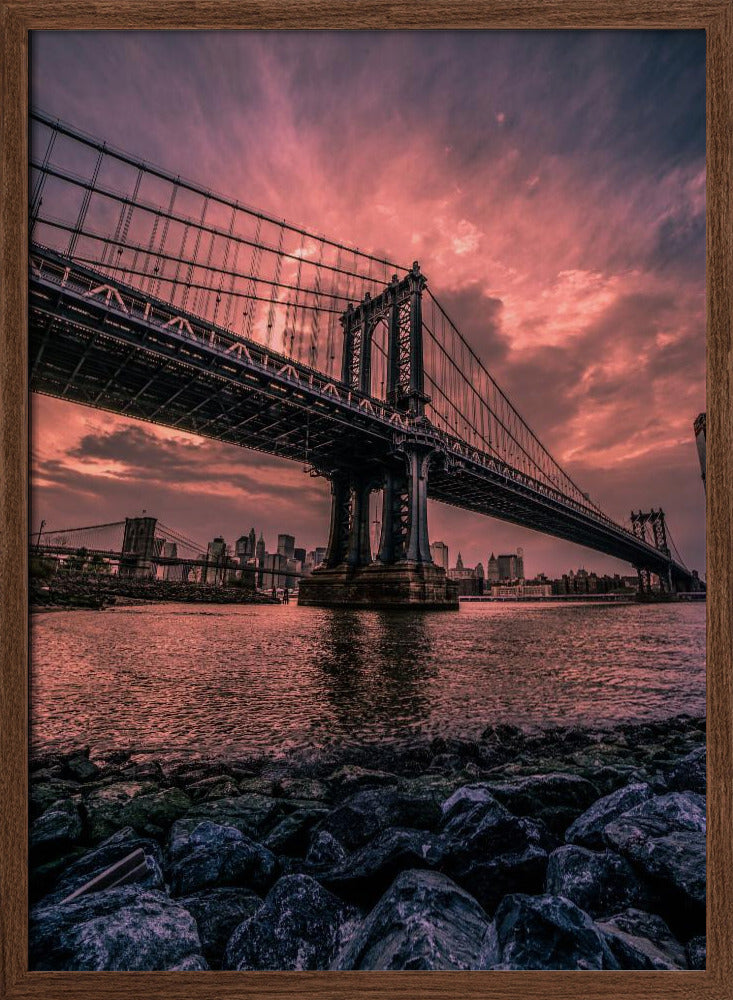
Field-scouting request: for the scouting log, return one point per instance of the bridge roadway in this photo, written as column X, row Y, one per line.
column 101, row 343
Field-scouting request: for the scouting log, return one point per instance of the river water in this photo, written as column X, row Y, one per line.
column 232, row 681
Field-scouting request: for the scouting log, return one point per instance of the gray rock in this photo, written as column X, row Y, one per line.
column 300, row 926
column 423, row 921
column 599, row 883
column 464, row 799
column 325, row 851
column 104, row 806
column 642, row 940
column 213, row 855
column 490, row 852
column 78, row 767
column 127, row 929
column 351, row 778
column 664, row 838
column 587, row 830
column 544, row 932
column 218, row 912
column 690, row 774
column 557, row 799
column 292, row 834
column 367, row 813
column 369, row 871
column 57, row 829
column 46, row 793
column 106, row 854
column 253, row 814
column 153, row 814
column 696, row 952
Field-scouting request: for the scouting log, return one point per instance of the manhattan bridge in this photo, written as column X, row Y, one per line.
column 154, row 298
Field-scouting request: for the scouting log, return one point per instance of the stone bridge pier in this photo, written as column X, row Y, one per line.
column 402, row 573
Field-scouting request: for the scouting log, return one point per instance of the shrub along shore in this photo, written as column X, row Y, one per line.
column 566, row 849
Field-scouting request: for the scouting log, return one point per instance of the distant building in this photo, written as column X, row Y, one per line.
column 522, row 590
column 217, row 558
column 286, row 546
column 492, row 570
column 700, row 429
column 439, row 552
column 467, row 580
column 511, row 567
column 274, row 571
column 299, row 555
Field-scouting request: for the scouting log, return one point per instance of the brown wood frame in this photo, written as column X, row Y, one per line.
column 20, row 16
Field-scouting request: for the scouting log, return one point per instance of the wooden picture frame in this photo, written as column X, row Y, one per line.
column 19, row 17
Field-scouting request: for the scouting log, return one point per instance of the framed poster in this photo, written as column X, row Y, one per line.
column 345, row 352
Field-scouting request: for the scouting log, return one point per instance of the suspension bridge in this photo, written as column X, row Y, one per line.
column 155, row 298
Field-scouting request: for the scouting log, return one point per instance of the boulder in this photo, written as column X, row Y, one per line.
column 213, row 855
column 194, row 963
column 57, row 829
column 351, row 778
column 109, row 852
column 44, row 794
column 292, row 834
column 300, row 926
column 78, row 767
column 599, row 883
column 126, row 929
column 217, row 786
column 364, row 875
column 464, row 799
column 642, row 940
column 587, row 830
column 490, row 852
column 253, row 814
column 696, row 952
column 218, row 912
column 365, row 814
column 664, row 838
column 153, row 814
column 104, row 806
column 325, row 851
column 557, row 799
column 301, row 788
column 690, row 774
column 423, row 921
column 544, row 932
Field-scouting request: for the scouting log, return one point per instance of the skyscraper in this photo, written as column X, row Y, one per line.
column 439, row 552
column 492, row 570
column 286, row 546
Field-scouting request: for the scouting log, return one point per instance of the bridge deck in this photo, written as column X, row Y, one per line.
column 106, row 345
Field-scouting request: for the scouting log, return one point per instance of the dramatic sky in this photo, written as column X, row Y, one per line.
column 552, row 185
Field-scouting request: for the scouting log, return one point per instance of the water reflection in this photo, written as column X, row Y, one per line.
column 375, row 665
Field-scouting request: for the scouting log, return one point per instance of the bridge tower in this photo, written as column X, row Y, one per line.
column 138, row 547
column 656, row 521
column 403, row 572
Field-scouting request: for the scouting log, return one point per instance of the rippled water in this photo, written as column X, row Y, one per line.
column 231, row 681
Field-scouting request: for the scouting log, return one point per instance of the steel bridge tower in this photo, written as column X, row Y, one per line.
column 403, row 572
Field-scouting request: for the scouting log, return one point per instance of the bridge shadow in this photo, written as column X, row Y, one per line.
column 377, row 668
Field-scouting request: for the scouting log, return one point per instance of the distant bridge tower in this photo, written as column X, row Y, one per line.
column 700, row 429
column 403, row 572
column 138, row 547
column 656, row 521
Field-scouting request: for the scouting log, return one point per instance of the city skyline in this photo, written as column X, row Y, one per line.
column 569, row 247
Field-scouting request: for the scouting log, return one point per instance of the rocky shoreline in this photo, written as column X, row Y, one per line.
column 87, row 592
column 565, row 849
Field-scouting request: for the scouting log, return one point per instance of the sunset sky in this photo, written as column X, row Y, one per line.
column 552, row 186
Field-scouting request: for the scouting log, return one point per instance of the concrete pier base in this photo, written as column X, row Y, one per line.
column 402, row 585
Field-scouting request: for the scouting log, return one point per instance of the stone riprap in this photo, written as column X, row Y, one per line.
column 563, row 849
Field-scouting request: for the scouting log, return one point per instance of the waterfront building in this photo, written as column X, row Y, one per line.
column 439, row 552
column 521, row 590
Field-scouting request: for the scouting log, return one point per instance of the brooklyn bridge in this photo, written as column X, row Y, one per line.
column 156, row 299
